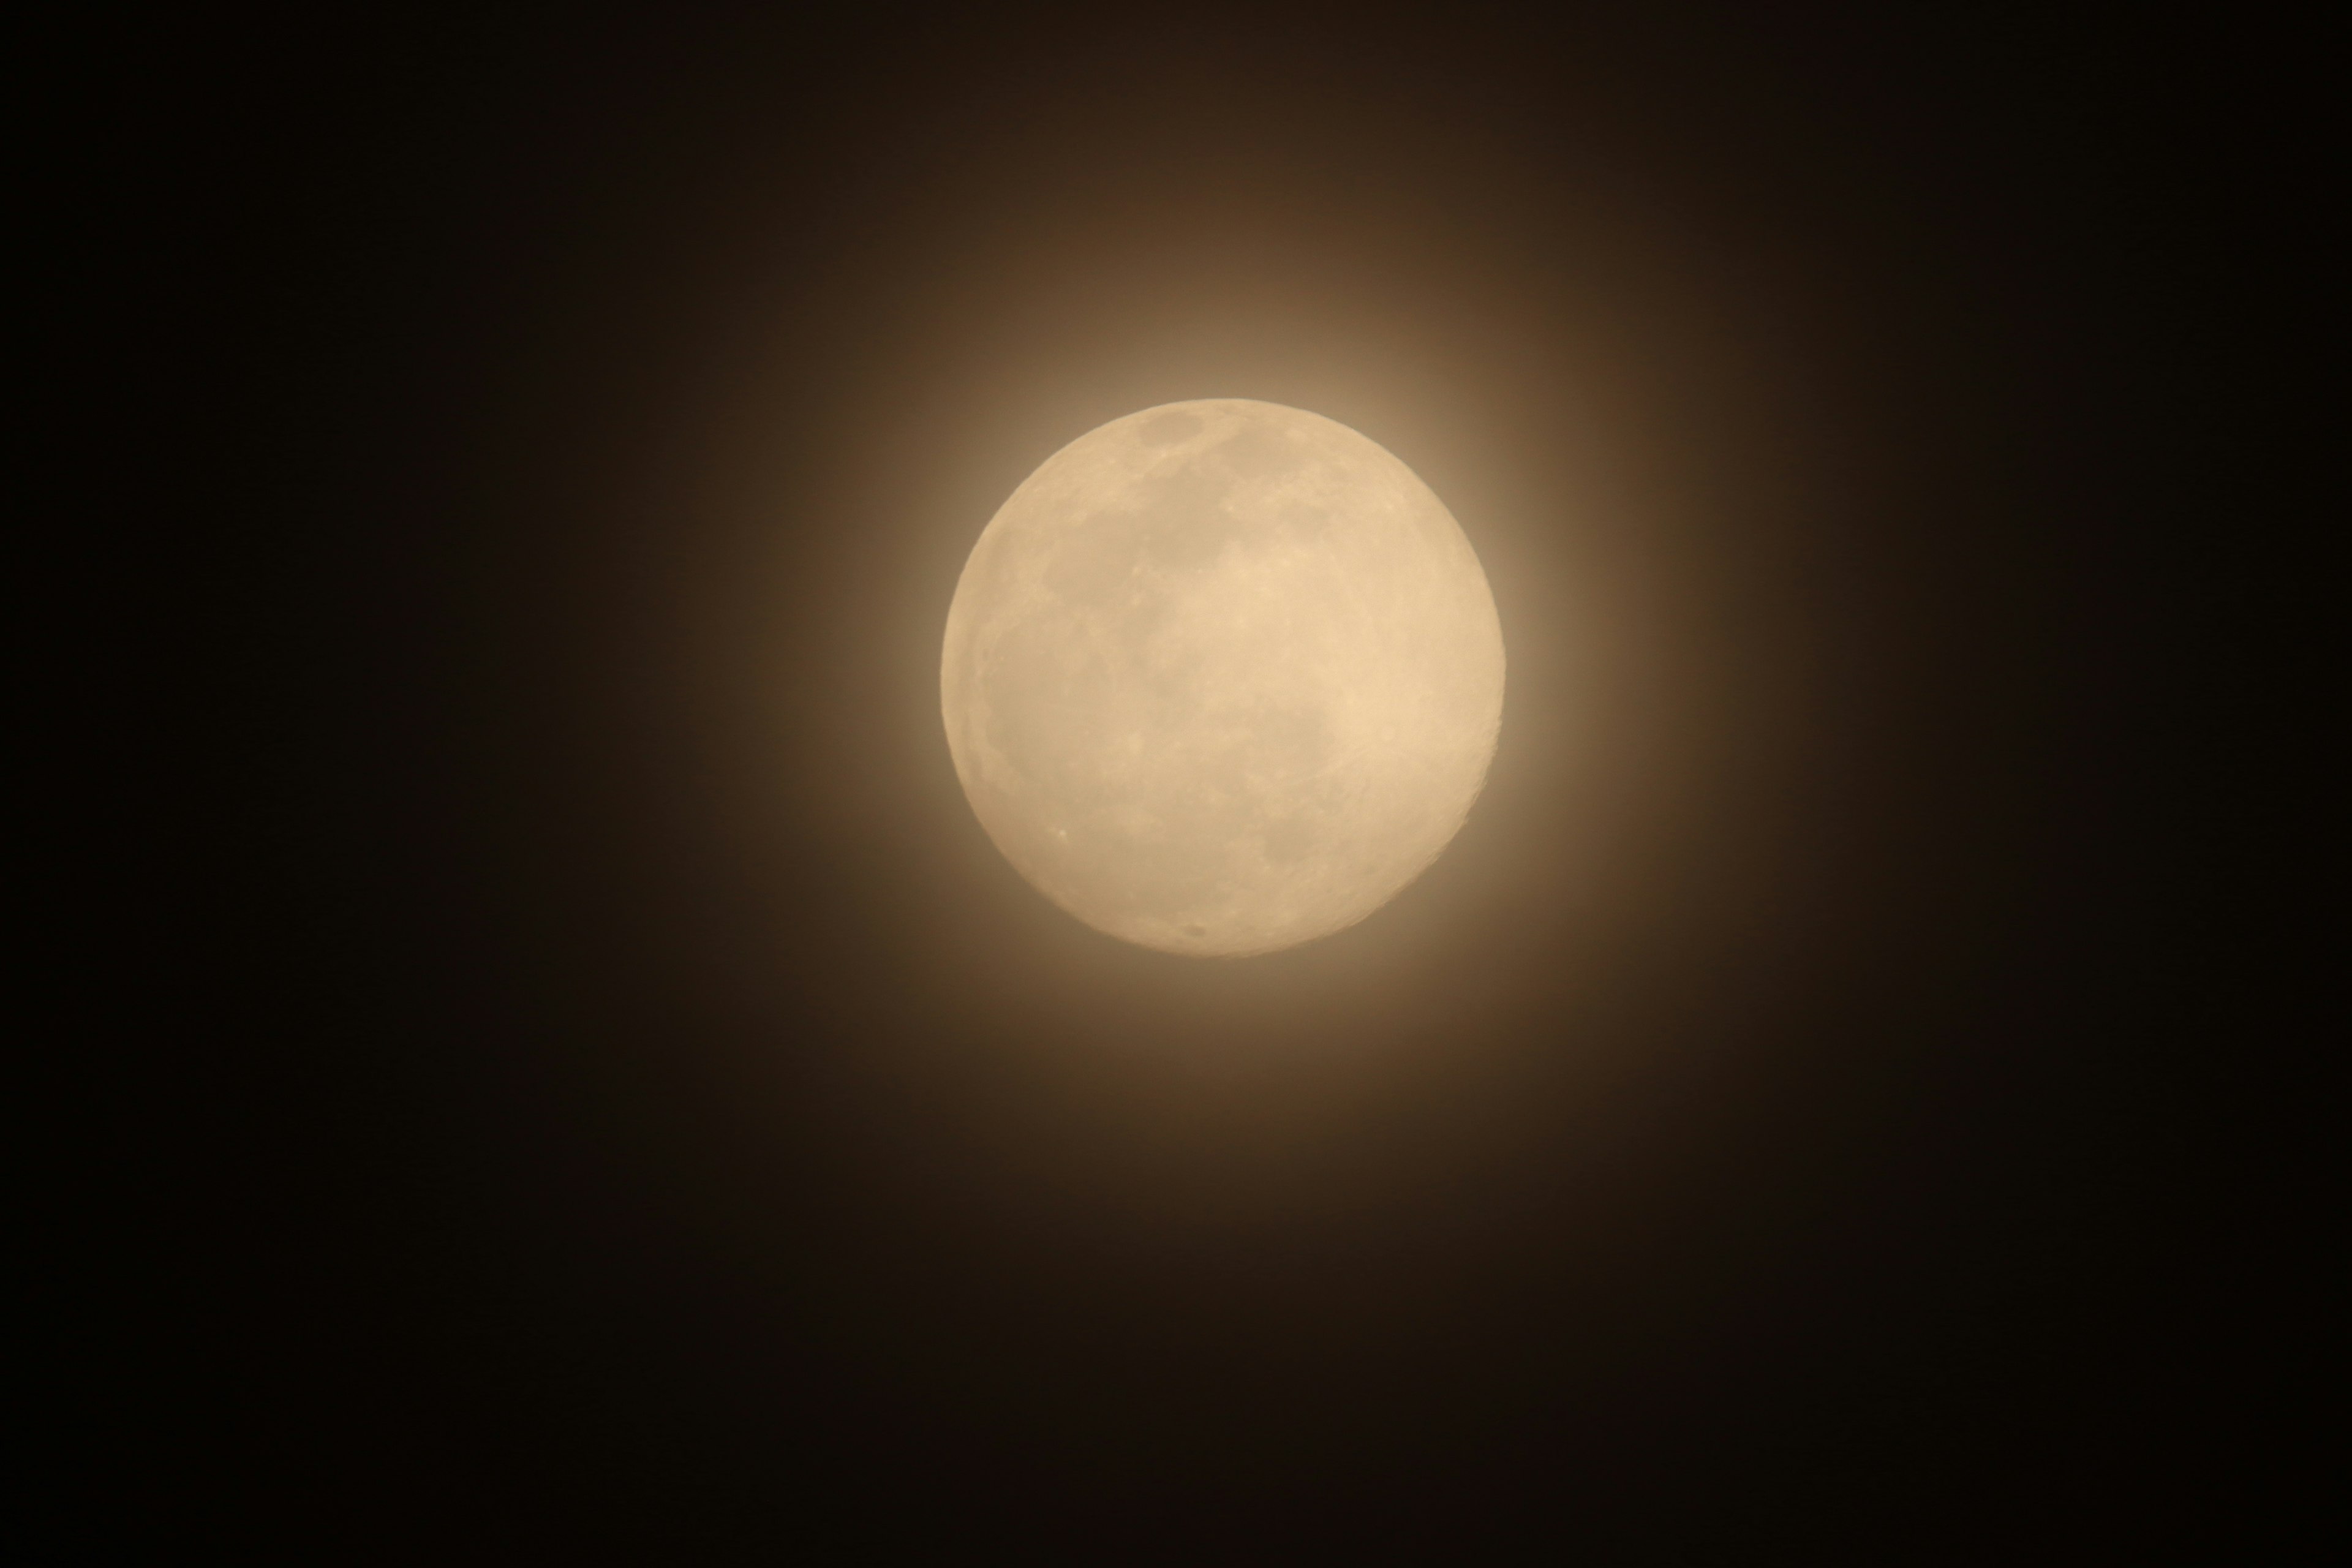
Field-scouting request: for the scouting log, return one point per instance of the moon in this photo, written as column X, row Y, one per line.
column 1222, row 676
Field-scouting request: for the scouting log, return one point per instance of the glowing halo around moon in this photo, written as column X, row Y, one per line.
column 1222, row 676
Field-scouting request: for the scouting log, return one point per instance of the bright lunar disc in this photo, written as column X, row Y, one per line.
column 1222, row 676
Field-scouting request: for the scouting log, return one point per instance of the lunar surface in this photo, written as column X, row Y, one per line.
column 1222, row 678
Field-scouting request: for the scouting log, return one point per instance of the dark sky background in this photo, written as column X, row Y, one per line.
column 630, row 1110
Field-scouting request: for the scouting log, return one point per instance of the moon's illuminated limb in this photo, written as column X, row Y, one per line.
column 1222, row 676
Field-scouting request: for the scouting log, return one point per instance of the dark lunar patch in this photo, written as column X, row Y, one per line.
column 1094, row 561
column 1188, row 523
column 1168, row 429
column 1191, row 540
column 1025, row 686
column 1289, row 741
column 1287, row 841
column 1301, row 521
column 1259, row 451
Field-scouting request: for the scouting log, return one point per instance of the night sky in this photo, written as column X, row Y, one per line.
column 607, row 1097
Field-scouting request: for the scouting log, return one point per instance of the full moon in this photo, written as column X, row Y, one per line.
column 1222, row 676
